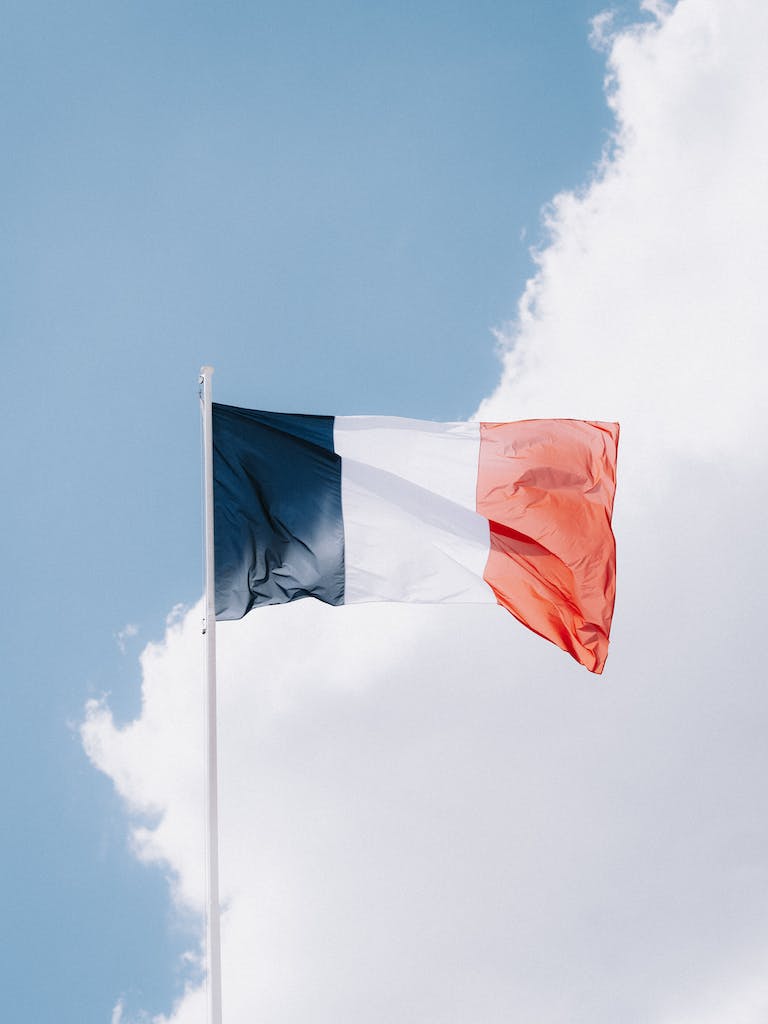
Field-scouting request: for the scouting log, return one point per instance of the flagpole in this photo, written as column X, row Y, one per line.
column 213, row 931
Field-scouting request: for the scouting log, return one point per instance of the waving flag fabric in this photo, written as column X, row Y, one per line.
column 367, row 508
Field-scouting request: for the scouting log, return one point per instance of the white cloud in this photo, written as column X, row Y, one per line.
column 429, row 814
column 126, row 633
column 648, row 302
column 154, row 761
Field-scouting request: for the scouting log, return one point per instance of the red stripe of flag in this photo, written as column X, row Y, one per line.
column 547, row 489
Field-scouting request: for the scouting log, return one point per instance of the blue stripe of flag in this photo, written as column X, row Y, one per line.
column 278, row 529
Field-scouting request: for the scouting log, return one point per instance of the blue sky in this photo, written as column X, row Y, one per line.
column 333, row 204
column 327, row 202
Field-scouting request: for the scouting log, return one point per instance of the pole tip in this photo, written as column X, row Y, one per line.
column 206, row 371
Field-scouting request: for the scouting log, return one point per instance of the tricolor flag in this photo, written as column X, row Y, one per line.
column 369, row 508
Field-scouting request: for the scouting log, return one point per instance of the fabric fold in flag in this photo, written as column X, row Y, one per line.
column 350, row 509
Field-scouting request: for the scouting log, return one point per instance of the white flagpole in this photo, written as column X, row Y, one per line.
column 209, row 632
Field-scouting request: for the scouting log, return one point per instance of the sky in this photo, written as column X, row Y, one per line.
column 444, row 211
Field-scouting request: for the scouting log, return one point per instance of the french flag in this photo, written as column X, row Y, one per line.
column 349, row 509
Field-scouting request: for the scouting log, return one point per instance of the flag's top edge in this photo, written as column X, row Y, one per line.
column 409, row 423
